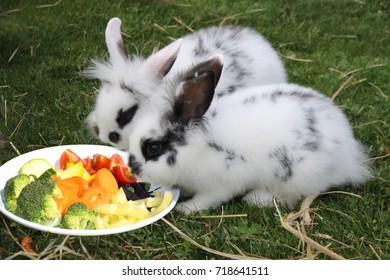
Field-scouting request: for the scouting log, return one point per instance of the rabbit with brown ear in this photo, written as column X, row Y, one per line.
column 279, row 141
column 126, row 82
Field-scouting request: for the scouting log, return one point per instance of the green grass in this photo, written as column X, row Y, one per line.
column 44, row 102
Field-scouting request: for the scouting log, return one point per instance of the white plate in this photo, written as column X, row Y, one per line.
column 52, row 155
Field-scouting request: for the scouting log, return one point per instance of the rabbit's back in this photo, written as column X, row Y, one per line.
column 290, row 139
column 249, row 59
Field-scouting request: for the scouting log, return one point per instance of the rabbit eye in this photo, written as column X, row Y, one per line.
column 114, row 136
column 129, row 89
column 152, row 149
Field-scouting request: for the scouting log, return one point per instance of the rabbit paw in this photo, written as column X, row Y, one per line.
column 184, row 208
column 193, row 205
column 259, row 198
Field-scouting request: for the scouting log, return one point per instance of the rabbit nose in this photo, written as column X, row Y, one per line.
column 114, row 137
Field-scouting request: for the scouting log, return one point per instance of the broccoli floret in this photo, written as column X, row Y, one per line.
column 12, row 189
column 36, row 203
column 78, row 216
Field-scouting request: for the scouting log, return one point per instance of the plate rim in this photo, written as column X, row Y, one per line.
column 62, row 231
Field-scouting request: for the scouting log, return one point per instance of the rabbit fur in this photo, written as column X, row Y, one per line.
column 127, row 81
column 279, row 141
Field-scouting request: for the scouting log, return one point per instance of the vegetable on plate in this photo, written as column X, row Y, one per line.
column 82, row 194
column 36, row 202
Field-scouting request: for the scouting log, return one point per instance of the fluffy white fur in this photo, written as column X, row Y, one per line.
column 275, row 141
column 249, row 60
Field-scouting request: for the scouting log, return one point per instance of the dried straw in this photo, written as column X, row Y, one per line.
column 242, row 256
column 303, row 215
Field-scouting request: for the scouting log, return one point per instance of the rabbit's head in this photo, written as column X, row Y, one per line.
column 125, row 83
column 170, row 131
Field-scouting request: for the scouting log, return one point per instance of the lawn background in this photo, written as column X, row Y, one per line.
column 341, row 48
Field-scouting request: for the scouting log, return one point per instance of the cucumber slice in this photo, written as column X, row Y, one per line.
column 35, row 167
column 48, row 173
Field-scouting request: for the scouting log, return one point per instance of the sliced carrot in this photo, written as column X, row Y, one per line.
column 83, row 185
column 75, row 182
column 55, row 177
column 96, row 195
column 25, row 243
column 69, row 194
column 106, row 180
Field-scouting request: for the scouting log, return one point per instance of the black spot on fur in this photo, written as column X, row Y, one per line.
column 136, row 166
column 241, row 74
column 237, row 70
column 200, row 50
column 220, row 94
column 249, row 100
column 313, row 138
column 284, row 170
column 301, row 96
column 311, row 120
column 216, row 147
column 171, row 159
column 231, row 89
column 311, row 146
column 124, row 117
column 177, row 135
column 230, row 155
column 276, row 95
column 218, row 44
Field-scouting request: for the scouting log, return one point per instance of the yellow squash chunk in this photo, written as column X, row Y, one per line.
column 149, row 202
column 120, row 221
column 86, row 176
column 118, row 197
column 167, row 199
column 120, row 212
column 131, row 210
column 75, row 170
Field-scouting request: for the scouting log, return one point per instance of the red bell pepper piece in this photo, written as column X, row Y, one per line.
column 122, row 174
column 121, row 170
column 68, row 156
column 100, row 161
column 87, row 163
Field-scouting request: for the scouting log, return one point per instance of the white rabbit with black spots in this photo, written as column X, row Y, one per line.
column 127, row 81
column 279, row 141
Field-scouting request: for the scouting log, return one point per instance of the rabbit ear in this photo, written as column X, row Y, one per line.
column 213, row 64
column 114, row 42
column 197, row 90
column 159, row 63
